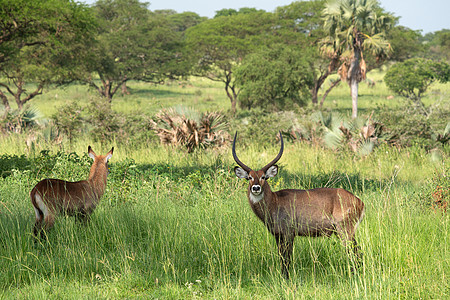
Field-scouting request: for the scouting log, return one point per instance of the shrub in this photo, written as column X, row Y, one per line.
column 275, row 79
column 332, row 130
column 105, row 124
column 69, row 121
column 17, row 121
column 138, row 129
column 437, row 192
column 412, row 78
column 413, row 128
column 189, row 128
column 260, row 127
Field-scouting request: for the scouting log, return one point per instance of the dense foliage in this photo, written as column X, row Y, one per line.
column 116, row 41
column 412, row 78
column 42, row 42
column 275, row 79
column 218, row 45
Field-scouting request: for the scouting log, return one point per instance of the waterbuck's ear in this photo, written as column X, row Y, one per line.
column 91, row 153
column 240, row 173
column 110, row 153
column 272, row 171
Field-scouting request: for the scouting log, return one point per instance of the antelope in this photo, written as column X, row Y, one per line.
column 51, row 197
column 291, row 212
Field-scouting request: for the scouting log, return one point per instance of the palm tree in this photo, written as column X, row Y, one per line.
column 354, row 27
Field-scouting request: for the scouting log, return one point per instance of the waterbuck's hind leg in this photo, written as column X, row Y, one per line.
column 38, row 226
column 39, row 220
column 346, row 233
column 83, row 216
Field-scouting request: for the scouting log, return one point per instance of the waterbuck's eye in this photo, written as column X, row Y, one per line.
column 263, row 177
column 250, row 177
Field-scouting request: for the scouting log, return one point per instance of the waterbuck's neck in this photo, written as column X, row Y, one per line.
column 261, row 203
column 97, row 178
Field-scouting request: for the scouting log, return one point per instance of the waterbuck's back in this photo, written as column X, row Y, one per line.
column 64, row 196
column 318, row 211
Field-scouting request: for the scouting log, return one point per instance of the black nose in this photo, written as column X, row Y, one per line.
column 256, row 188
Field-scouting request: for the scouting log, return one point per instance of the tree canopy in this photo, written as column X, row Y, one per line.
column 355, row 27
column 135, row 44
column 114, row 41
column 412, row 78
column 43, row 42
column 274, row 78
column 218, row 45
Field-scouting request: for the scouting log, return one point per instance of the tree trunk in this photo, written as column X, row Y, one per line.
column 334, row 84
column 314, row 96
column 125, row 89
column 5, row 104
column 332, row 66
column 232, row 96
column 354, row 94
column 231, row 92
column 18, row 94
column 315, row 90
column 354, row 76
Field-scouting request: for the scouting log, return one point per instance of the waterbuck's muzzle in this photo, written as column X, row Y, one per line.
column 256, row 189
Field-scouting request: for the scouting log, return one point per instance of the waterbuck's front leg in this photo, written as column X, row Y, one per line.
column 285, row 245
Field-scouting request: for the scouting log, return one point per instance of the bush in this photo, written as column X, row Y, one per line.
column 105, row 124
column 260, row 127
column 138, row 129
column 191, row 129
column 275, row 79
column 413, row 128
column 18, row 121
column 69, row 121
column 437, row 191
column 411, row 79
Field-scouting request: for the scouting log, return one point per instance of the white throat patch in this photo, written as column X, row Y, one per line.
column 256, row 198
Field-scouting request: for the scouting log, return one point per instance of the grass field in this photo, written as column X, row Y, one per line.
column 205, row 95
column 173, row 225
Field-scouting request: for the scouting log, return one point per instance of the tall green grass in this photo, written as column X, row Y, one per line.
column 173, row 225
column 176, row 226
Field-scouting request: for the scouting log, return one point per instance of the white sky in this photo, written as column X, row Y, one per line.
column 425, row 15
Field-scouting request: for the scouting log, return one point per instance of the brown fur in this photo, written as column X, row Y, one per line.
column 291, row 212
column 51, row 197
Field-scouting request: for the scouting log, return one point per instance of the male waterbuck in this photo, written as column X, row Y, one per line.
column 53, row 196
column 292, row 212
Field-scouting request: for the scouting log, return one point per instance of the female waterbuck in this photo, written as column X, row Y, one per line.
column 288, row 213
column 53, row 196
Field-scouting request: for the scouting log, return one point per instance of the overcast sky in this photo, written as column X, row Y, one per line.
column 425, row 15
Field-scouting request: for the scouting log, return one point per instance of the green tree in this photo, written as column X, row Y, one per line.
column 226, row 12
column 411, row 79
column 438, row 45
column 22, row 23
column 304, row 20
column 53, row 51
column 180, row 22
column 220, row 44
column 355, row 26
column 134, row 44
column 275, row 78
column 405, row 43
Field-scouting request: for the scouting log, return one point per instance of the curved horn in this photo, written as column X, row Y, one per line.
column 276, row 158
column 236, row 159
